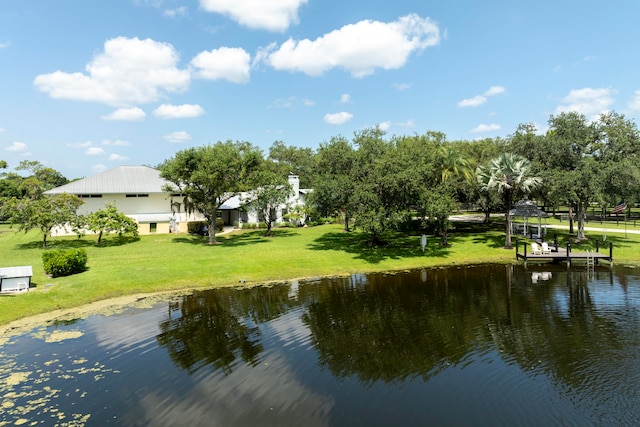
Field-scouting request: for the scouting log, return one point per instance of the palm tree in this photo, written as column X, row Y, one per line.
column 509, row 175
column 454, row 163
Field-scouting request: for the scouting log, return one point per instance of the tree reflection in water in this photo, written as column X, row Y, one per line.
column 216, row 327
column 392, row 329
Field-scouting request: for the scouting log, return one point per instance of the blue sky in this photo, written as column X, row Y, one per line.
column 90, row 85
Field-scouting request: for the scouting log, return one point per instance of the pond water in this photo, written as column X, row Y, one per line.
column 485, row 345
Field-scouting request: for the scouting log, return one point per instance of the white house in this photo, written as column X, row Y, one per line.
column 138, row 192
column 232, row 212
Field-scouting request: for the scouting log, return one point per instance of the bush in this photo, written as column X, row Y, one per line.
column 219, row 224
column 61, row 262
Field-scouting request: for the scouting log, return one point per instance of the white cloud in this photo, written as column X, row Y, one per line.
column 635, row 102
column 485, row 128
column 494, row 90
column 116, row 143
column 481, row 99
column 272, row 15
column 185, row 111
column 176, row 13
column 94, row 151
column 4, row 45
column 345, row 98
column 128, row 72
column 228, row 63
column 284, row 102
column 587, row 101
column 408, row 124
column 98, row 168
column 19, row 147
column 1, row 130
column 338, row 118
column 81, row 144
column 309, row 102
column 384, row 126
column 126, row 114
column 117, row 158
column 472, row 102
column 359, row 48
column 401, row 86
column 179, row 137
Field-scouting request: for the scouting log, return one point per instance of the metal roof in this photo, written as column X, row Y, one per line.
column 12, row 272
column 234, row 202
column 123, row 179
column 527, row 208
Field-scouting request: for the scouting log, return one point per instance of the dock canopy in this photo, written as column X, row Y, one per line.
column 526, row 209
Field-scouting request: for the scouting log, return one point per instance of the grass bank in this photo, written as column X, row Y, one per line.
column 153, row 263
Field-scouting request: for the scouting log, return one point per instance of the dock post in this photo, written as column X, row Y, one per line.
column 611, row 252
column 568, row 255
column 597, row 245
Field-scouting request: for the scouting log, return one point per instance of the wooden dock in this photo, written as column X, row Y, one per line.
column 566, row 254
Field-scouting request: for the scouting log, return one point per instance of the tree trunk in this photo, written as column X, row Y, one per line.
column 581, row 216
column 508, row 196
column 346, row 221
column 99, row 236
column 487, row 216
column 507, row 242
column 44, row 240
column 570, row 219
column 212, row 232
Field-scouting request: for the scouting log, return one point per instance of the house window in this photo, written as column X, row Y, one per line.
column 153, row 227
column 90, row 196
column 137, row 195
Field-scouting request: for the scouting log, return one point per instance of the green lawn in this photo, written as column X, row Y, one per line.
column 171, row 262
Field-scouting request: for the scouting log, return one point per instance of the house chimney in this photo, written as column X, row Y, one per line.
column 294, row 182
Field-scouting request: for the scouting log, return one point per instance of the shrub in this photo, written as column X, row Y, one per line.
column 61, row 262
column 219, row 224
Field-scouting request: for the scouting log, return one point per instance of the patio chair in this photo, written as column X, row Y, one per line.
column 545, row 248
column 537, row 250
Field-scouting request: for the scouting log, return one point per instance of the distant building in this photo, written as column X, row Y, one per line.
column 138, row 192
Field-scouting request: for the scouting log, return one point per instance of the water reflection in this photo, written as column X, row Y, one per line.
column 534, row 346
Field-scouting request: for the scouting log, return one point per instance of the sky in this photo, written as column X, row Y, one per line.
column 86, row 86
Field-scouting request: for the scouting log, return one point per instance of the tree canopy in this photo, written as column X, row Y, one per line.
column 509, row 175
column 43, row 213
column 109, row 220
column 210, row 175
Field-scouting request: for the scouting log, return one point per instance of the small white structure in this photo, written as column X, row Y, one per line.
column 15, row 279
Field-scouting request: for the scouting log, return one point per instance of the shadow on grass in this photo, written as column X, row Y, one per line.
column 397, row 246
column 80, row 243
column 236, row 239
column 493, row 241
